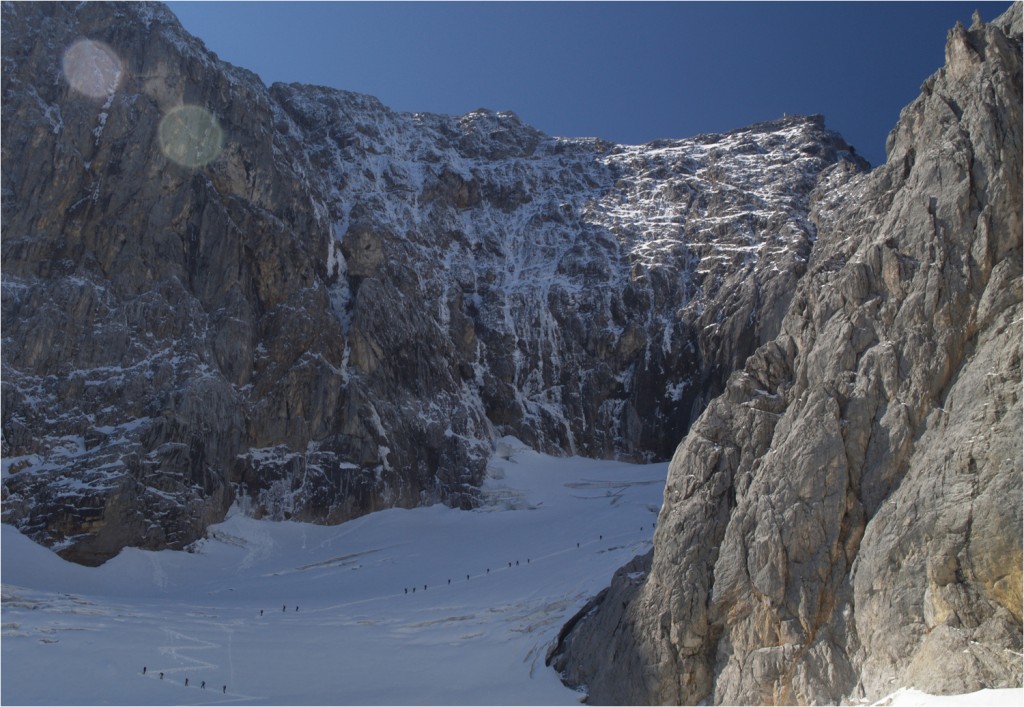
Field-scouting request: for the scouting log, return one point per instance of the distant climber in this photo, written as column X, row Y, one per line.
column 284, row 608
column 143, row 669
column 161, row 676
column 407, row 590
column 296, row 608
column 202, row 685
column 225, row 689
column 449, row 580
column 261, row 612
column 186, row 682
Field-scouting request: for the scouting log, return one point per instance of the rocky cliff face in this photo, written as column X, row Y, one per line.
column 846, row 518
column 213, row 289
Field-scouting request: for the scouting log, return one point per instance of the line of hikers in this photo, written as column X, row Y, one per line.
column 599, row 537
column 284, row 608
column 202, row 684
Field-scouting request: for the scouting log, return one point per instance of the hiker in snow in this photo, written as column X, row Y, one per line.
column 414, row 590
column 577, row 544
column 284, row 608
column 424, row 587
column 186, row 682
column 161, row 676
column 407, row 590
column 449, row 580
column 467, row 577
column 600, row 537
column 202, row 685
column 509, row 564
column 517, row 563
column 225, row 689
column 488, row 570
column 143, row 669
column 296, row 608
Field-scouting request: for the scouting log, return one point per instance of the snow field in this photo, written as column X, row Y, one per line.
column 1006, row 697
column 77, row 635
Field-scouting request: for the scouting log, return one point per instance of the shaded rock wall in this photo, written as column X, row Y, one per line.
column 149, row 309
column 213, row 288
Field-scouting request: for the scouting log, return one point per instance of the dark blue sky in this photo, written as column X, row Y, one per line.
column 626, row 72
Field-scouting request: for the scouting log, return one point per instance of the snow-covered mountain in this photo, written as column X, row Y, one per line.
column 294, row 302
column 213, row 288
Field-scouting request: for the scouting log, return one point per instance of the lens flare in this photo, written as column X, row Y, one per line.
column 92, row 68
column 191, row 136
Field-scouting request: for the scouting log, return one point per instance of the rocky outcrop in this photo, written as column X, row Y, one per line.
column 296, row 295
column 846, row 518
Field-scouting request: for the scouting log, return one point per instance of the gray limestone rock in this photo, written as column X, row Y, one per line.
column 846, row 518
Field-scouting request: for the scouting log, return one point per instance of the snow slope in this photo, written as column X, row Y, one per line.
column 78, row 635
column 1004, row 697
column 81, row 635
